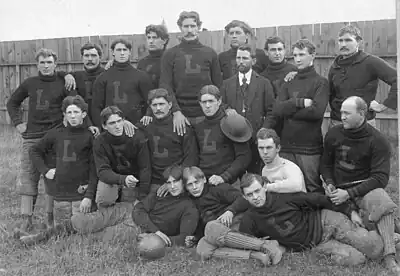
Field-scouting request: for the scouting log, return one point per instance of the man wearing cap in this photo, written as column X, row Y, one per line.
column 239, row 33
column 301, row 104
column 224, row 153
column 356, row 73
column 250, row 95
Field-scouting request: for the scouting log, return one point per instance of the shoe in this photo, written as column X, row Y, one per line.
column 265, row 259
column 390, row 264
column 274, row 250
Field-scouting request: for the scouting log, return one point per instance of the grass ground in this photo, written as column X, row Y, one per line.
column 112, row 252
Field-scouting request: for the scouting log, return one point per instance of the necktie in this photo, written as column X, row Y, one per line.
column 243, row 88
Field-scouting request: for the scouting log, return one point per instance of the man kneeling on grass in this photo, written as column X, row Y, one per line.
column 173, row 217
column 220, row 209
column 302, row 221
column 74, row 171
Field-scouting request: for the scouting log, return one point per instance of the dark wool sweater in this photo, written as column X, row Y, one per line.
column 124, row 86
column 301, row 132
column 167, row 147
column 276, row 73
column 359, row 75
column 116, row 157
column 356, row 154
column 46, row 94
column 175, row 216
column 151, row 64
column 216, row 200
column 227, row 62
column 185, row 69
column 293, row 219
column 84, row 84
column 217, row 153
column 74, row 161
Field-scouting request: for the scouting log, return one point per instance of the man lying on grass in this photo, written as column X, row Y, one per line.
column 297, row 221
column 173, row 217
column 223, row 205
column 73, row 145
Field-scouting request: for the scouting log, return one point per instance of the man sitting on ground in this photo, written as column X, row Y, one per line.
column 173, row 217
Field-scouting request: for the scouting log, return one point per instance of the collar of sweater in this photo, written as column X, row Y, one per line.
column 48, row 78
column 341, row 61
column 115, row 140
column 189, row 43
column 163, row 121
column 156, row 53
column 122, row 66
column 273, row 66
column 217, row 116
column 75, row 129
column 357, row 133
column 307, row 72
column 94, row 72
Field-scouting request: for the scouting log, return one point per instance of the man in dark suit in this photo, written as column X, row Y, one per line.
column 250, row 95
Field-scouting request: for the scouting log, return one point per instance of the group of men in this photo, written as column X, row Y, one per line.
column 220, row 151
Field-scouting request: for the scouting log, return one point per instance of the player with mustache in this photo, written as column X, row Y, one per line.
column 356, row 73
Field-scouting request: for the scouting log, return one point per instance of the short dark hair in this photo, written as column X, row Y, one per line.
column 194, row 171
column 352, row 30
column 248, row 48
column 273, row 40
column 248, row 179
column 305, row 43
column 160, row 30
column 243, row 25
column 43, row 52
column 175, row 170
column 185, row 15
column 88, row 46
column 158, row 93
column 210, row 89
column 106, row 113
column 74, row 100
column 122, row 41
column 267, row 133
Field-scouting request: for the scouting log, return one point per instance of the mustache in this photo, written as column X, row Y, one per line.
column 159, row 112
column 344, row 48
column 91, row 63
column 189, row 34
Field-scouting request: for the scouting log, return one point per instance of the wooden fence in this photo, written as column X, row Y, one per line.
column 17, row 58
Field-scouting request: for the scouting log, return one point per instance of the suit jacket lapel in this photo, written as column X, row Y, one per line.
column 252, row 88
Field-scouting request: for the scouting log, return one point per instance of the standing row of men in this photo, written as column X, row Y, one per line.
column 191, row 73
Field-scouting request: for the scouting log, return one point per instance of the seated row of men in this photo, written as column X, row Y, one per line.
column 197, row 209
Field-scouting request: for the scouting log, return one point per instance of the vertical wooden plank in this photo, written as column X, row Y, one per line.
column 391, row 37
column 3, row 102
column 379, row 37
column 205, row 38
column 284, row 33
column 11, row 75
column 317, row 38
column 217, row 38
column 367, row 36
column 174, row 39
column 139, row 40
column 301, row 31
column 263, row 34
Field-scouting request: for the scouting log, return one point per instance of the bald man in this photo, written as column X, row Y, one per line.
column 356, row 167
